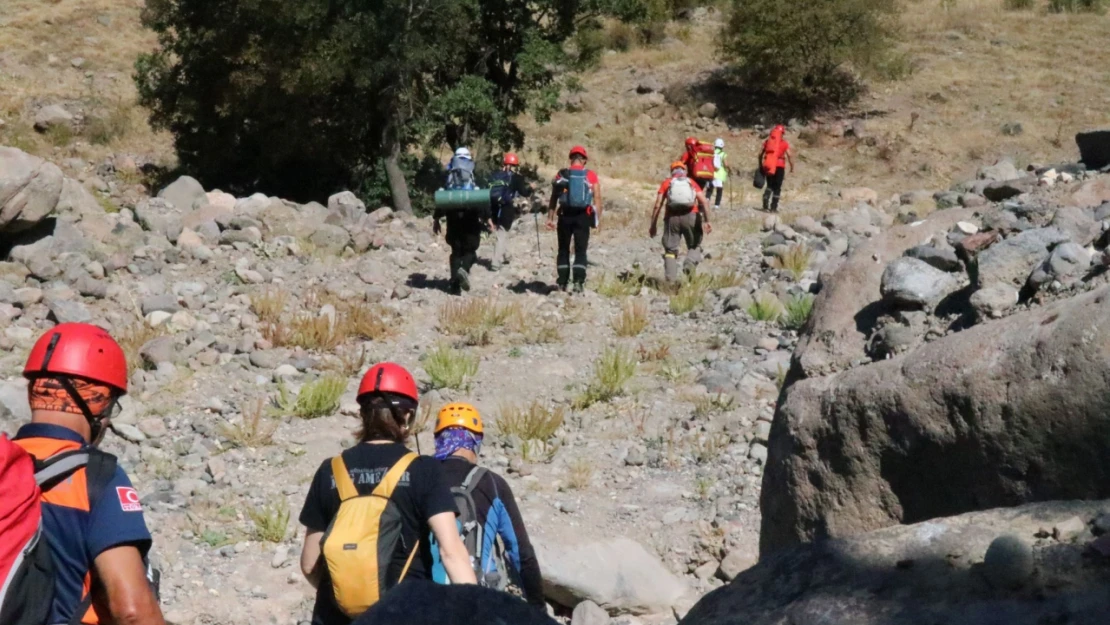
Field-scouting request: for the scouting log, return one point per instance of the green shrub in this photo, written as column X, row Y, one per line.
column 797, row 311
column 319, row 398
column 610, row 377
column 449, row 367
column 103, row 129
column 535, row 428
column 271, row 522
column 801, row 50
column 690, row 296
column 1076, row 6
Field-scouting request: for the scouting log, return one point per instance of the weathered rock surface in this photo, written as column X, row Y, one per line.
column 29, row 189
column 927, row 573
column 838, row 333
column 999, row 414
column 913, row 283
column 1010, row 261
column 619, row 575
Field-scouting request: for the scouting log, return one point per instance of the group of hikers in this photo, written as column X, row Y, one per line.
column 697, row 179
column 74, row 544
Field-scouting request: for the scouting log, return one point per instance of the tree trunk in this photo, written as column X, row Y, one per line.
column 398, row 188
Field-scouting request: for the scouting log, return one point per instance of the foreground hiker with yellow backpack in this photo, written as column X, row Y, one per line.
column 489, row 520
column 369, row 510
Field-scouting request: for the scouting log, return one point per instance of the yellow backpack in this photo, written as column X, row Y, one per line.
column 361, row 540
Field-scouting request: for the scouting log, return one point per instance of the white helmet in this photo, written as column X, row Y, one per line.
column 719, row 143
column 462, row 153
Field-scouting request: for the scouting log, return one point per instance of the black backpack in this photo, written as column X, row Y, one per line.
column 501, row 191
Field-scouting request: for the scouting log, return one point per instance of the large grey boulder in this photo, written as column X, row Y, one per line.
column 160, row 215
column 345, row 207
column 617, row 574
column 29, row 189
column 999, row 172
column 838, row 332
column 912, row 283
column 1011, row 260
column 51, row 116
column 1078, row 223
column 1002, row 413
column 185, row 193
column 984, row 568
column 943, row 258
column 1094, row 148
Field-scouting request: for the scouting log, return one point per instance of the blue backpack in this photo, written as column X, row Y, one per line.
column 579, row 194
column 488, row 564
column 501, row 192
column 460, row 174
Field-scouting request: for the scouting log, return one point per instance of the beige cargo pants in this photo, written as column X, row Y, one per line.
column 676, row 229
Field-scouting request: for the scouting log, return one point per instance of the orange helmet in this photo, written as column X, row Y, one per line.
column 579, row 150
column 80, row 350
column 511, row 159
column 678, row 164
column 458, row 414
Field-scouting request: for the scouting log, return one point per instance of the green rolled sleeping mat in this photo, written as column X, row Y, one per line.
column 455, row 199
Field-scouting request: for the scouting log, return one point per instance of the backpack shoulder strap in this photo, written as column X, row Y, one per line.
column 472, row 479
column 98, row 474
column 343, row 481
column 393, row 477
column 51, row 471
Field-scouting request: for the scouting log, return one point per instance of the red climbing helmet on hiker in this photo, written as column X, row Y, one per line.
column 79, row 350
column 388, row 377
column 691, row 142
column 578, row 150
column 511, row 159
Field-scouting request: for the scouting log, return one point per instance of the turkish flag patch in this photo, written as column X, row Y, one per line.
column 128, row 499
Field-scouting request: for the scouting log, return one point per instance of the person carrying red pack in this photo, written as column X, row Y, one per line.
column 681, row 196
column 91, row 565
column 773, row 159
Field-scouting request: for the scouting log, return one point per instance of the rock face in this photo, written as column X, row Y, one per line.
column 973, row 569
column 29, row 189
column 1000, row 414
column 1012, row 260
column 619, row 575
column 836, row 337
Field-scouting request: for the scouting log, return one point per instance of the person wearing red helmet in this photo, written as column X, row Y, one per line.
column 505, row 185
column 576, row 200
column 683, row 199
column 93, row 518
column 388, row 399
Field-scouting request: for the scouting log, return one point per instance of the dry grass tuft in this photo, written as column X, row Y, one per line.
column 535, row 427
column 132, row 338
column 632, row 320
column 271, row 521
column 475, row 319
column 253, row 430
column 580, row 473
column 795, row 260
column 612, row 372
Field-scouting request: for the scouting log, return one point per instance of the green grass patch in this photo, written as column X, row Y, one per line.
column 318, row 398
column 610, row 377
column 797, row 311
column 450, row 368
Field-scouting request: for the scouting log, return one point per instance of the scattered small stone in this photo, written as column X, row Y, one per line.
column 1008, row 562
column 589, row 613
column 1069, row 530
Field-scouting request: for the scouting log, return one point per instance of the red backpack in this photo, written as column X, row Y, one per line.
column 703, row 162
column 26, row 565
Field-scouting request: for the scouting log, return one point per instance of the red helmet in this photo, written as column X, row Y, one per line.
column 691, row 142
column 80, row 350
column 511, row 159
column 579, row 150
column 388, row 377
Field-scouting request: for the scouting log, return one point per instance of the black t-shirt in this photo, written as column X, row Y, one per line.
column 421, row 494
column 504, row 216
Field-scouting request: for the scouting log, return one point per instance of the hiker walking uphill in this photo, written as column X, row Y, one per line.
column 464, row 227
column 505, row 185
column 772, row 160
column 720, row 173
column 576, row 201
column 492, row 528
column 91, row 516
column 681, row 197
column 370, row 509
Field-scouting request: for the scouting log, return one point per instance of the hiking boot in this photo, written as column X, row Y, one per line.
column 463, row 278
column 579, row 287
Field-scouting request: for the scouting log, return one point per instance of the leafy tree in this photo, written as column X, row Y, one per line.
column 806, row 50
column 302, row 97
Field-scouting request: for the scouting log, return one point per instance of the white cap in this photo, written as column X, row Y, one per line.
column 462, row 152
column 719, row 143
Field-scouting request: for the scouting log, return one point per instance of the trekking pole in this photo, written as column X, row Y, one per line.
column 536, row 220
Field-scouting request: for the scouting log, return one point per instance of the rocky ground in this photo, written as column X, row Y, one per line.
column 643, row 498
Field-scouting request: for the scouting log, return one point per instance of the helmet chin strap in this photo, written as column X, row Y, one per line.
column 96, row 423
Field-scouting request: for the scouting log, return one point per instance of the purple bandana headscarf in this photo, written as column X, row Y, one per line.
column 452, row 439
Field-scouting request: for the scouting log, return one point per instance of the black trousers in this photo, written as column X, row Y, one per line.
column 709, row 189
column 576, row 228
column 774, row 189
column 464, row 239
